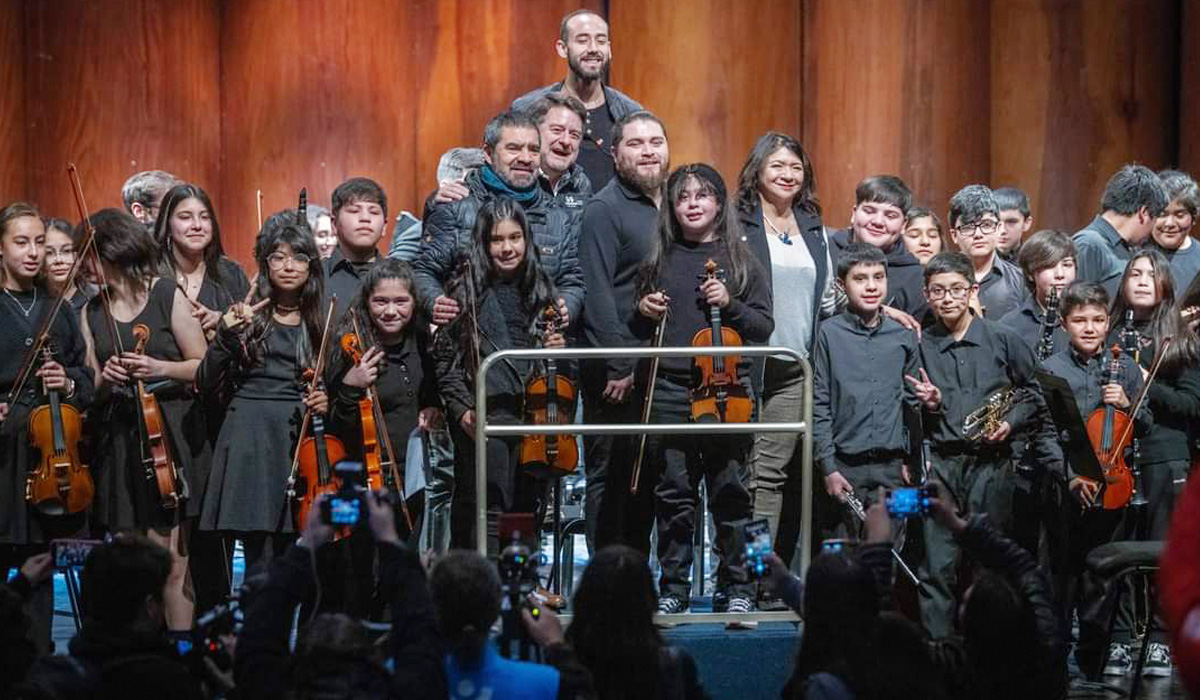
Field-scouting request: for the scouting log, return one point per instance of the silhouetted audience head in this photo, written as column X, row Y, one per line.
column 335, row 658
column 466, row 596
column 122, row 584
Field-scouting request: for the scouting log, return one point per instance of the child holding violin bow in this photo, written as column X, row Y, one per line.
column 36, row 505
column 701, row 281
column 255, row 367
column 502, row 291
column 151, row 448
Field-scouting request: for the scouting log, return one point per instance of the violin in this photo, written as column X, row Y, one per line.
column 717, row 396
column 312, row 465
column 61, row 482
column 159, row 463
column 374, row 429
column 550, row 399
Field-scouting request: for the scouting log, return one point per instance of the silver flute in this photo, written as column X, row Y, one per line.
column 856, row 507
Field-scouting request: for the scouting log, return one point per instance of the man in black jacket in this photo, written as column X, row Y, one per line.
column 512, row 147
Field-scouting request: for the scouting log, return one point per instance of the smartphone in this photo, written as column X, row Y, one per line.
column 910, row 501
column 71, row 553
column 836, row 545
column 757, row 534
column 340, row 510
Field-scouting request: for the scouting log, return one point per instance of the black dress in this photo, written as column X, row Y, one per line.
column 126, row 492
column 253, row 453
column 232, row 287
column 18, row 524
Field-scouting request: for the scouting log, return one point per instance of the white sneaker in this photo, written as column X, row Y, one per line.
column 1119, row 662
column 1158, row 661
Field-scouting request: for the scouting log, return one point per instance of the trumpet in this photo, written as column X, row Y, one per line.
column 985, row 419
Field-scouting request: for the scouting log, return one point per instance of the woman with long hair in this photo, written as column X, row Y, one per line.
column 924, row 235
column 132, row 294
column 696, row 228
column 191, row 254
column 254, row 367
column 1163, row 461
column 614, row 636
column 62, row 243
column 780, row 216
column 503, row 293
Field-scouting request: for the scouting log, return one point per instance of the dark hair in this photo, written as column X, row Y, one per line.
column 884, row 189
column 125, row 244
column 727, row 229
column 19, row 650
column 969, row 204
column 1044, row 249
column 1165, row 321
column 950, row 261
column 1012, row 198
column 466, row 596
column 508, row 119
column 358, row 189
column 1131, row 188
column 288, row 227
column 613, row 629
column 1180, row 186
column 859, row 254
column 841, row 624
column 382, row 271
column 119, row 576
column 166, row 244
column 335, row 657
column 768, row 143
column 532, row 283
column 563, row 34
column 919, row 212
column 641, row 115
column 542, row 107
column 1000, row 634
column 1081, row 293
column 15, row 211
column 64, row 226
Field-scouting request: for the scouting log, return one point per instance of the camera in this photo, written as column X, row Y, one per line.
column 204, row 639
column 71, row 553
column 757, row 535
column 518, row 580
column 346, row 506
column 910, row 502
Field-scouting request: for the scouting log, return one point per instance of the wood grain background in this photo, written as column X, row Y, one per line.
column 1047, row 95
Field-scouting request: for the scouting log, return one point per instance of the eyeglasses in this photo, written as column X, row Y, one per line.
column 277, row 261
column 987, row 227
column 955, row 292
column 64, row 254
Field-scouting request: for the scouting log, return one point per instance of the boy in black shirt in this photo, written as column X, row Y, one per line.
column 859, row 440
column 1086, row 366
column 967, row 361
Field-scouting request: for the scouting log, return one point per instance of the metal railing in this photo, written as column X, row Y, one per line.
column 484, row 431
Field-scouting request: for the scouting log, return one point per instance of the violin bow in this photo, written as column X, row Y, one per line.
column 635, row 477
column 318, row 368
column 258, row 199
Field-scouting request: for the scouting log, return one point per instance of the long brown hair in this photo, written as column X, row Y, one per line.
column 1165, row 321
column 768, row 143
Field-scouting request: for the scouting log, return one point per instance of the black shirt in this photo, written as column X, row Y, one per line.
column 1026, row 321
column 1002, row 289
column 905, row 275
column 858, row 397
column 595, row 153
column 343, row 278
column 989, row 358
column 616, row 237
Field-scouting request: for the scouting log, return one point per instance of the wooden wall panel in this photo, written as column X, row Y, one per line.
column 12, row 107
column 719, row 74
column 470, row 60
column 1077, row 98
column 1189, row 90
column 118, row 92
column 897, row 87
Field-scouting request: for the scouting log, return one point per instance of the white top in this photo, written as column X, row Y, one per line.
column 793, row 278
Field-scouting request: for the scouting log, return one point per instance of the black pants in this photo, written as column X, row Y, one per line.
column 613, row 515
column 509, row 489
column 720, row 460
column 865, row 476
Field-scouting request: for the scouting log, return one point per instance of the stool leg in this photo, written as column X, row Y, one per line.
column 1151, row 611
column 1112, row 622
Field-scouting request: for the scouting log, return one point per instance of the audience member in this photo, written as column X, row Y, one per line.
column 16, row 639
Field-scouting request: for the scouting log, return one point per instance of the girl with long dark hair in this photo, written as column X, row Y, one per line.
column 62, row 243
column 254, row 366
column 695, row 227
column 503, row 292
column 133, row 295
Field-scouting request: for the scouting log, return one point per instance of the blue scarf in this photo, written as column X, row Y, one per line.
column 493, row 182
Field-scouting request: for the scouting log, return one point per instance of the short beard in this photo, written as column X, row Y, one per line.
column 644, row 183
column 577, row 69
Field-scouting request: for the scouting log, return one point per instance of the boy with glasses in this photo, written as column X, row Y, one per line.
column 975, row 228
column 967, row 361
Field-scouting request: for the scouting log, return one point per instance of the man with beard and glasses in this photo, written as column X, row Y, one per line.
column 583, row 40
column 512, row 148
column 616, row 236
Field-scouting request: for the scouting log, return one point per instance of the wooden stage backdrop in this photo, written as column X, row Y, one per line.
column 238, row 95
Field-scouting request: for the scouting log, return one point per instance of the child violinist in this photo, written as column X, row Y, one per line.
column 133, row 298
column 695, row 227
column 1162, row 459
column 255, row 366
column 25, row 528
column 62, row 242
column 1097, row 380
column 503, row 292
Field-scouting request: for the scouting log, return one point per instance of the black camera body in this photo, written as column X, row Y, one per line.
column 204, row 639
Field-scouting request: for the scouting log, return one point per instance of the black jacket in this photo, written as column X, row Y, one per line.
column 447, row 230
column 813, row 234
column 263, row 666
column 906, row 276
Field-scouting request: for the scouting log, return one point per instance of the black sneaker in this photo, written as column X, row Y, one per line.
column 1158, row 661
column 720, row 601
column 1119, row 662
column 672, row 605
